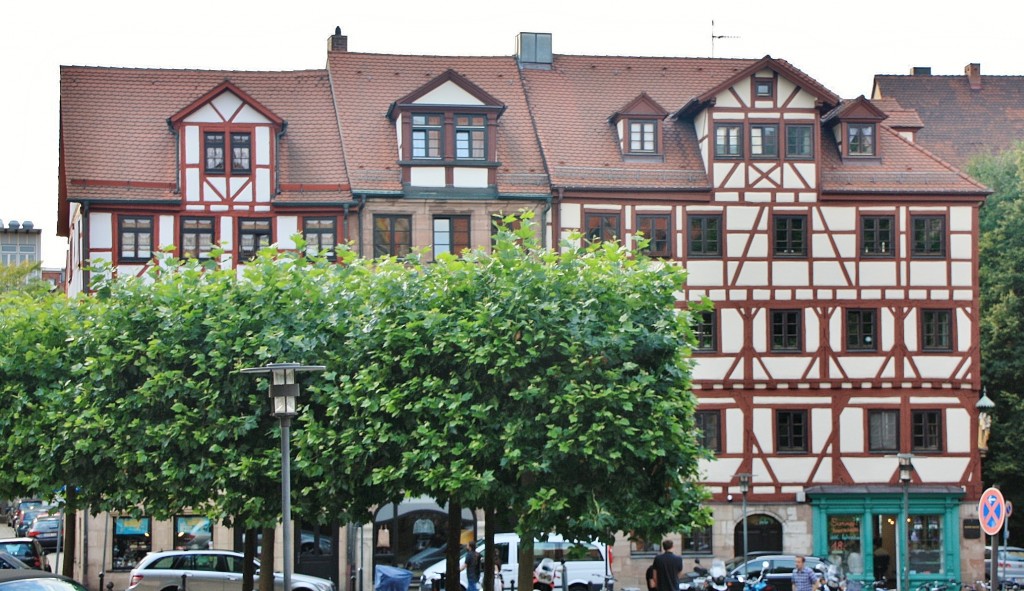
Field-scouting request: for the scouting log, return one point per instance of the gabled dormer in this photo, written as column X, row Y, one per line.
column 639, row 125
column 447, row 132
column 855, row 128
column 227, row 146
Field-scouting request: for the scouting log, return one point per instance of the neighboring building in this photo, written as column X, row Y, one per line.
column 840, row 255
column 962, row 115
column 20, row 243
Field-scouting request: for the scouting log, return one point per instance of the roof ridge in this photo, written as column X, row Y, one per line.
column 201, row 70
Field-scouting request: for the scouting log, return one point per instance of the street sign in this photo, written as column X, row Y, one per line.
column 1009, row 508
column 992, row 511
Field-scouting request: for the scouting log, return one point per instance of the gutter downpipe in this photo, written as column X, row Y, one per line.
column 556, row 221
column 359, row 223
column 277, row 158
column 177, row 156
column 85, row 248
column 544, row 222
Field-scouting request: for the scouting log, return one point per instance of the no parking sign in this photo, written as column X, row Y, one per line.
column 992, row 511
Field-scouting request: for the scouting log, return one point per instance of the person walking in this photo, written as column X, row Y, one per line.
column 472, row 567
column 804, row 578
column 667, row 567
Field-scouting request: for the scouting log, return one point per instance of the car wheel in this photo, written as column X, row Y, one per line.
column 170, row 589
column 578, row 588
column 541, row 587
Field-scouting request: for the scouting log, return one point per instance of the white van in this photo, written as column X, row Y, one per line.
column 586, row 564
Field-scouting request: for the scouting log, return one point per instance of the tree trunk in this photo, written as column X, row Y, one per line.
column 454, row 546
column 248, row 563
column 68, row 545
column 267, row 560
column 525, row 564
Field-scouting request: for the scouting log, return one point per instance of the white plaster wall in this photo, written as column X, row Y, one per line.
column 790, row 273
column 205, row 114
column 931, row 273
column 192, row 193
column 763, row 431
column 711, row 368
column 811, row 330
column 939, row 469
column 963, row 274
column 964, row 329
column 192, row 149
column 101, row 232
column 759, row 329
column 263, row 188
column 936, row 366
column 877, row 274
column 874, row 469
column 785, row 368
column 166, row 236
column 432, row 176
column 241, row 189
column 792, row 469
column 728, row 99
column 262, row 144
column 398, row 133
column 226, row 104
column 862, row 367
column 736, row 181
column 961, row 219
column 961, row 247
column 572, row 215
column 958, row 430
column 753, row 273
column 448, row 93
column 704, row 273
column 227, row 232
column 287, row 226
column 721, row 469
column 851, row 430
column 803, row 100
column 821, row 428
column 732, row 330
column 734, row 431
column 470, row 177
column 217, row 183
column 249, row 115
column 829, row 273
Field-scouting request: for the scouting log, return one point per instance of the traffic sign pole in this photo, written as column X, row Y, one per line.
column 992, row 510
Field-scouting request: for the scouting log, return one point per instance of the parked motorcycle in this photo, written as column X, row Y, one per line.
column 696, row 579
column 716, row 576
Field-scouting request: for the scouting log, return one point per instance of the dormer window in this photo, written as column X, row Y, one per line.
column 860, row 139
column 241, row 150
column 643, row 137
column 470, row 137
column 426, row 136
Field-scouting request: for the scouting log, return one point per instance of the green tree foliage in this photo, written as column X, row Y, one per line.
column 551, row 387
column 1001, row 262
column 23, row 277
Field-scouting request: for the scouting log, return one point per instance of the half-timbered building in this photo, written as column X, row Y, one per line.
column 840, row 256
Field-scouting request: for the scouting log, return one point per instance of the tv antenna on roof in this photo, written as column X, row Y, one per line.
column 713, row 37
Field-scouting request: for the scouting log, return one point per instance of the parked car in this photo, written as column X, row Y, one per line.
column 426, row 557
column 46, row 529
column 19, row 579
column 779, row 573
column 20, row 507
column 206, row 570
column 585, row 563
column 9, row 561
column 1010, row 564
column 28, row 550
column 25, row 521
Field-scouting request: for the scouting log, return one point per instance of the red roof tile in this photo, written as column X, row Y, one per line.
column 365, row 85
column 114, row 125
column 960, row 122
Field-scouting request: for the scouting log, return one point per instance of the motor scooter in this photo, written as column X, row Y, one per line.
column 759, row 583
column 715, row 580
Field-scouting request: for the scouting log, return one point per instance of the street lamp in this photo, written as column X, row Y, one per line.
column 283, row 392
column 906, row 467
column 744, row 478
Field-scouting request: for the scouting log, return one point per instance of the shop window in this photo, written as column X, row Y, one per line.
column 844, row 543
column 193, row 532
column 132, row 541
column 925, row 544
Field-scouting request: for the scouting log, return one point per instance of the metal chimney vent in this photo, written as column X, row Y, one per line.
column 27, row 225
column 13, row 225
column 533, row 50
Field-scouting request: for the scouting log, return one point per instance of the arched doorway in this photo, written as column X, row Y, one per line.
column 764, row 534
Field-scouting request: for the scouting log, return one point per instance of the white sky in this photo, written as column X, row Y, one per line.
column 841, row 44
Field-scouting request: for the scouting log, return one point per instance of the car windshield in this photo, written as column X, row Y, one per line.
column 41, row 584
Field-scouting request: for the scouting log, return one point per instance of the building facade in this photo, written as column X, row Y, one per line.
column 840, row 256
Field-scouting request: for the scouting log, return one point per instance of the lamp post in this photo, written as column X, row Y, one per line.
column 283, row 392
column 906, row 467
column 744, row 478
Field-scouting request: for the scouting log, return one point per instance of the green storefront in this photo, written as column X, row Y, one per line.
column 859, row 528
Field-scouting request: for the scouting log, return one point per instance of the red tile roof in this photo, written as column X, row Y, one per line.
column 114, row 128
column 960, row 122
column 571, row 103
column 365, row 85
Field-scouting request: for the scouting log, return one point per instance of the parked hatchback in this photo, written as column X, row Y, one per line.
column 206, row 570
column 28, row 550
column 46, row 529
column 779, row 573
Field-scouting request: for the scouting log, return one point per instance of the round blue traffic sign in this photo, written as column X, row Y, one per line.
column 992, row 511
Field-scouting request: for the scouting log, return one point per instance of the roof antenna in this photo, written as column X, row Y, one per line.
column 713, row 37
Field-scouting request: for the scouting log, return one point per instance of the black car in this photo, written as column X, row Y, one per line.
column 32, row 580
column 779, row 572
column 28, row 550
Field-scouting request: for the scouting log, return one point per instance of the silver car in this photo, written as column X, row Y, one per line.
column 1011, row 563
column 206, row 570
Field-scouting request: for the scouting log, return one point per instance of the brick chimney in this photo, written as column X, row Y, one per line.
column 973, row 72
column 338, row 41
